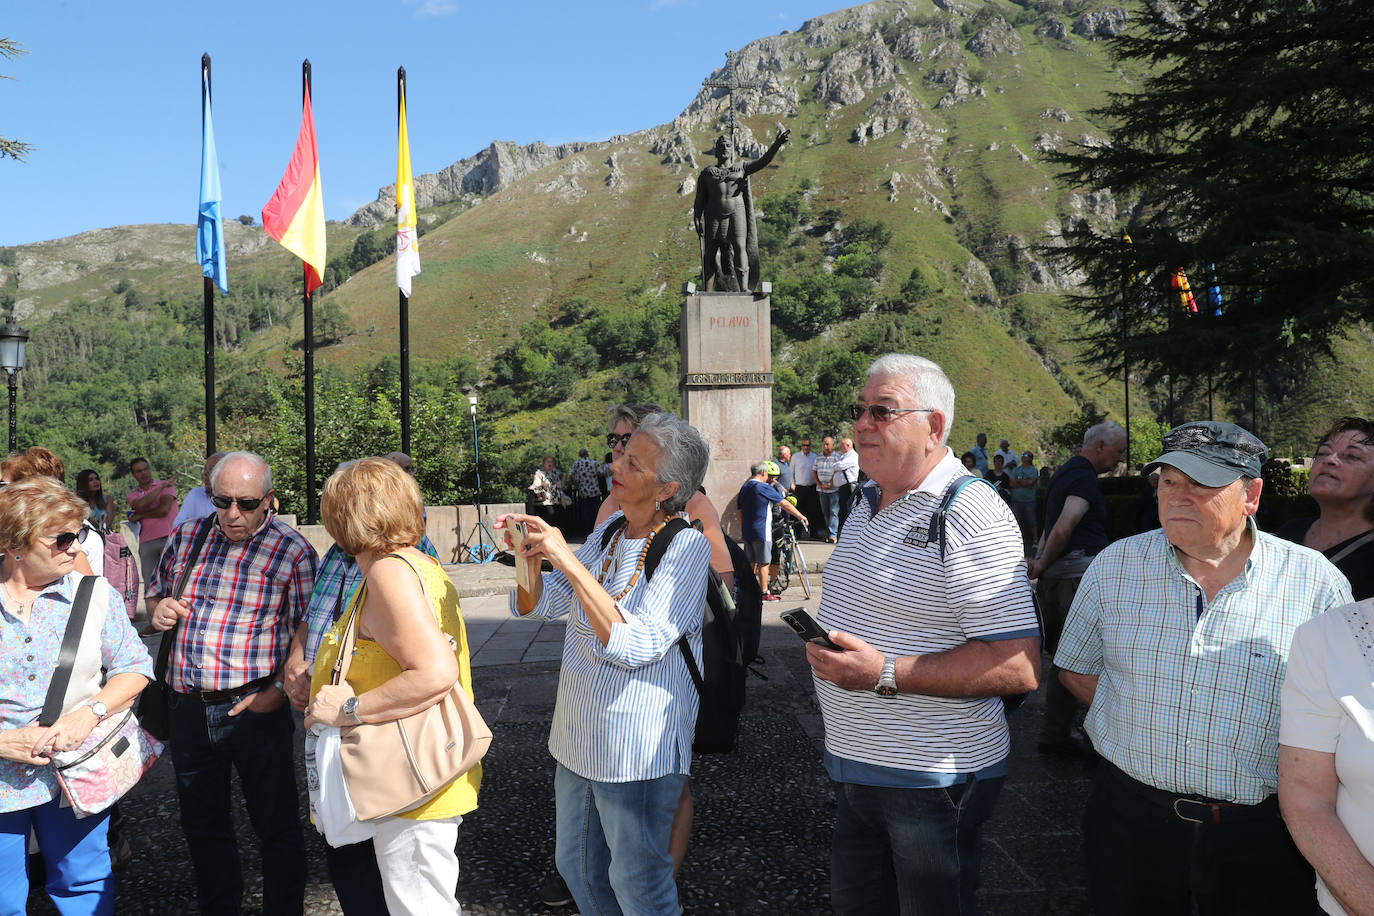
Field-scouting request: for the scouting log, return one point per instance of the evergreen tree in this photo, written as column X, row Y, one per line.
column 1245, row 154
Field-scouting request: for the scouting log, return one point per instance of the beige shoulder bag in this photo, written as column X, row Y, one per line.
column 392, row 767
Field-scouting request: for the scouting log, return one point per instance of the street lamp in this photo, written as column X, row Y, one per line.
column 12, row 340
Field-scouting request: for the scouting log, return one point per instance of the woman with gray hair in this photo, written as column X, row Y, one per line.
column 626, row 710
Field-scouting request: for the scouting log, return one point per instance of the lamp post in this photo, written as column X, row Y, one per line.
column 12, row 341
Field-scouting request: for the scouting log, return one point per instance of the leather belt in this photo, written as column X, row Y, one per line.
column 1193, row 809
column 233, row 694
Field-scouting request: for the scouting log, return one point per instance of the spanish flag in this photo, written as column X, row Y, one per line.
column 407, row 245
column 295, row 214
column 1179, row 281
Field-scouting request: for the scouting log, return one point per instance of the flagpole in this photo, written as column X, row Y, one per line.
column 311, row 498
column 404, row 299
column 209, row 300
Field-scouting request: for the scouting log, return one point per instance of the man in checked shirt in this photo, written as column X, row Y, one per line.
column 1178, row 640
column 245, row 597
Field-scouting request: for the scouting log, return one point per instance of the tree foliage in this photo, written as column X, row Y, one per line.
column 1245, row 149
column 14, row 149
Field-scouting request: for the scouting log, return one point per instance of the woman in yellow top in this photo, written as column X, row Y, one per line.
column 402, row 664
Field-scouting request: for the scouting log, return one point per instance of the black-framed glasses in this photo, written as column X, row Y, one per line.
column 881, row 413
column 246, row 503
column 622, row 439
column 66, row 539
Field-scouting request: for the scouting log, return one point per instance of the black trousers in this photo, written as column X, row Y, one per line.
column 845, row 492
column 810, row 505
column 1151, row 852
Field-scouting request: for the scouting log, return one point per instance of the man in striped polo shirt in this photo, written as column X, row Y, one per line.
column 915, row 736
column 1178, row 642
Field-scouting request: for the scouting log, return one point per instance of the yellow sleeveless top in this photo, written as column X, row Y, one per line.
column 371, row 666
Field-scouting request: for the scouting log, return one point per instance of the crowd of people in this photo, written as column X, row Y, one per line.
column 1227, row 673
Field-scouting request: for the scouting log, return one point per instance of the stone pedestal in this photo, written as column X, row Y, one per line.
column 727, row 387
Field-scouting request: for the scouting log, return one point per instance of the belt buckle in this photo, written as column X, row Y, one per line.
column 1183, row 817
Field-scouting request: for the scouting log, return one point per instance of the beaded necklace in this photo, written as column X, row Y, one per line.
column 610, row 555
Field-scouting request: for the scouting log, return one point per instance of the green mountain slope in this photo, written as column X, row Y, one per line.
column 557, row 271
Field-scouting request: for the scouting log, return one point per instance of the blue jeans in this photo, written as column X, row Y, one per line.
column 830, row 509
column 613, row 843
column 75, row 852
column 206, row 743
column 913, row 852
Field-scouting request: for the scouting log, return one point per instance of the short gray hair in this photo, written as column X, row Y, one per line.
column 264, row 471
column 928, row 382
column 757, row 469
column 632, row 414
column 1106, row 431
column 682, row 456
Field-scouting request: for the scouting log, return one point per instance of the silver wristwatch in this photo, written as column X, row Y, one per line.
column 350, row 709
column 887, row 679
column 100, row 710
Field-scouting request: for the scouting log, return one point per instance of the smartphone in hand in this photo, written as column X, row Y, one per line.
column 805, row 626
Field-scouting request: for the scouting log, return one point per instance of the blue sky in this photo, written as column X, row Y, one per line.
column 109, row 93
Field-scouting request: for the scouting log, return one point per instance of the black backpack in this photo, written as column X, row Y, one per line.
column 729, row 640
column 936, row 535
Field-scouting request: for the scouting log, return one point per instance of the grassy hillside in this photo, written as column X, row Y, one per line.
column 556, row 294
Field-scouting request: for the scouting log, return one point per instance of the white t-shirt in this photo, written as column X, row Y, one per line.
column 1328, row 706
column 94, row 549
column 803, row 466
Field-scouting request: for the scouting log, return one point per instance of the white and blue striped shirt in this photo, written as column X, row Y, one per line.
column 886, row 584
column 627, row 711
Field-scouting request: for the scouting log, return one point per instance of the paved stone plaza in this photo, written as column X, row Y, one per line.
column 763, row 814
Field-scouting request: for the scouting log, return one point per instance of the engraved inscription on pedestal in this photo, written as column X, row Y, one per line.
column 727, row 379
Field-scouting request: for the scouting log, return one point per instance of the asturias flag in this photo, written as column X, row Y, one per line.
column 1179, row 281
column 407, row 245
column 209, row 226
column 295, row 214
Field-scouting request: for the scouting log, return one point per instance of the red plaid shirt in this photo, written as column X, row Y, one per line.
column 246, row 600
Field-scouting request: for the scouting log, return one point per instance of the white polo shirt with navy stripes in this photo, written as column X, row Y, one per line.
column 886, row 584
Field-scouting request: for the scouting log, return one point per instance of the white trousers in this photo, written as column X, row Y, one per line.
column 419, row 865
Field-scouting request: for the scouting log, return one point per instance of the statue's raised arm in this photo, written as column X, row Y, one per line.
column 723, row 213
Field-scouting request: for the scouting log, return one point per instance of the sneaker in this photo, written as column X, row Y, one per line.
column 772, row 597
column 554, row 891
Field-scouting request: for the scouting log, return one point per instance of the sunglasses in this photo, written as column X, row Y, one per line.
column 246, row 504
column 880, row 413
column 66, row 539
column 612, row 439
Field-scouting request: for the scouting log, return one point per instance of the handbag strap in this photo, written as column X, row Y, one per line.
column 350, row 633
column 1353, row 546
column 66, row 656
column 164, row 648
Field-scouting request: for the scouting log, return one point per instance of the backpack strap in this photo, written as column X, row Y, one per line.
column 937, row 518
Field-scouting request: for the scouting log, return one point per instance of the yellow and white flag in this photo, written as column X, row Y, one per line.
column 407, row 245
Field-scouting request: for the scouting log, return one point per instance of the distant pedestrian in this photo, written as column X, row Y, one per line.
column 804, row 485
column 89, row 488
column 585, row 476
column 547, row 488
column 785, row 470
column 755, row 501
column 153, row 504
column 846, row 480
column 827, row 488
column 197, row 503
column 999, row 477
column 981, row 461
column 1008, row 456
column 1025, row 481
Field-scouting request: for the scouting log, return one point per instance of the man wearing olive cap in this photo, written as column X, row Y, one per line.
column 1178, row 640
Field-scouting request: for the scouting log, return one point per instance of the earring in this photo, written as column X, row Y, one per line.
column 656, row 505
column 17, row 558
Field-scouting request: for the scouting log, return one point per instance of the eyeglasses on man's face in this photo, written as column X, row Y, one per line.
column 245, row 503
column 881, row 413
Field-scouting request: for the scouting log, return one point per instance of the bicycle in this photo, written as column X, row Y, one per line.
column 790, row 561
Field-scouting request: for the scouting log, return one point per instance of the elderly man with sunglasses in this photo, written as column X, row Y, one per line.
column 245, row 594
column 932, row 631
column 1178, row 641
